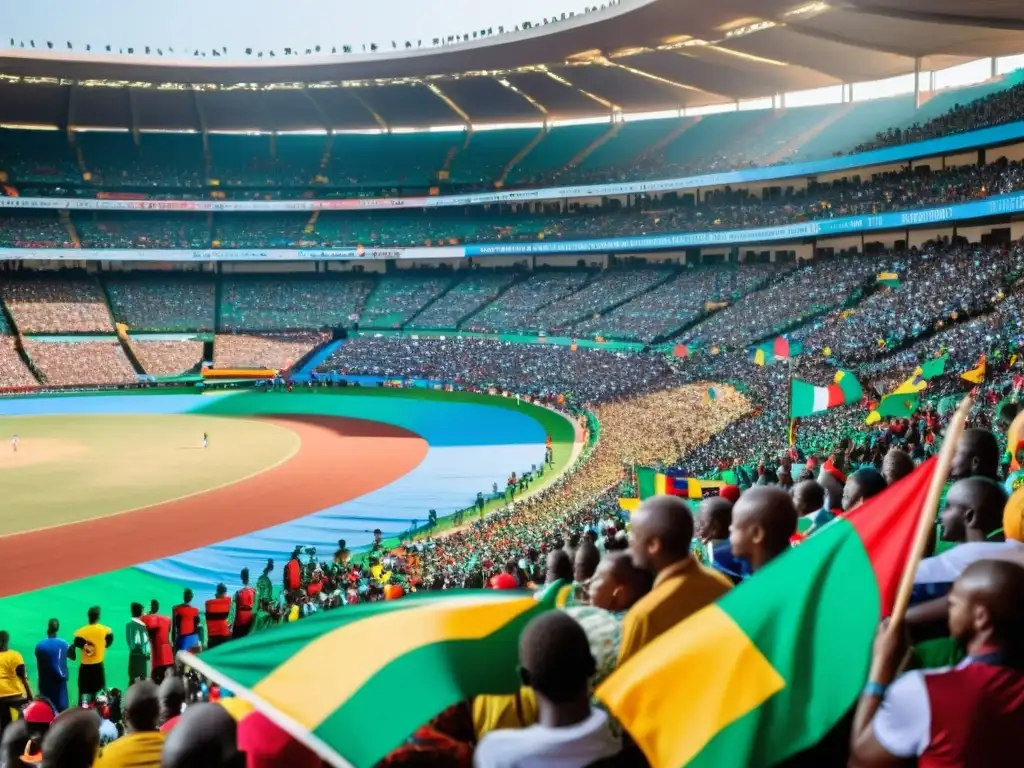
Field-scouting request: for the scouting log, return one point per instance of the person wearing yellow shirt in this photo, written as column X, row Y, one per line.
column 92, row 641
column 143, row 742
column 14, row 687
column 660, row 543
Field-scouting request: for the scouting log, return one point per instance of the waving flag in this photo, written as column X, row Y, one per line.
column 977, row 374
column 324, row 678
column 806, row 399
column 767, row 649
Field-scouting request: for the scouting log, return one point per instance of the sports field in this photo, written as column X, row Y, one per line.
column 111, row 498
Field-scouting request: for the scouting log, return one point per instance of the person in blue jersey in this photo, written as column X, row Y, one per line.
column 52, row 654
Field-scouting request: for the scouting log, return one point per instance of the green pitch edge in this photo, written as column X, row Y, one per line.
column 25, row 616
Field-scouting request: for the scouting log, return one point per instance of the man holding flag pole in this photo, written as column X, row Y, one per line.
column 795, row 638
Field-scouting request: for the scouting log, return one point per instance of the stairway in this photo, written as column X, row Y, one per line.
column 790, row 147
column 664, row 141
column 303, row 372
column 584, row 153
column 69, row 225
column 518, row 158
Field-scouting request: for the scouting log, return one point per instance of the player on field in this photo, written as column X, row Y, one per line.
column 206, row 440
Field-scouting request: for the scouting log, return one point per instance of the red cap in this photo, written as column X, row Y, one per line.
column 730, row 492
column 38, row 712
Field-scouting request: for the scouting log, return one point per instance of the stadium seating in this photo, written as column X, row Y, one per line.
column 290, row 302
column 165, row 357
column 62, row 303
column 468, row 294
column 80, row 363
column 520, row 302
column 162, row 302
column 13, row 372
column 278, row 351
column 399, row 296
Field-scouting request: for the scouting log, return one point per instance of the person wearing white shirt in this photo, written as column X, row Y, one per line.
column 556, row 662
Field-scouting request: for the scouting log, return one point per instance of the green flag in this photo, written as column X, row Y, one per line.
column 934, row 368
column 331, row 680
column 646, row 482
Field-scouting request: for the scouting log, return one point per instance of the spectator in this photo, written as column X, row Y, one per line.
column 763, row 522
column 52, row 656
column 206, row 735
column 556, row 662
column 137, row 637
column 92, row 642
column 14, row 686
column 660, row 544
column 967, row 715
column 172, row 699
column 142, row 743
column 861, row 486
column 73, row 740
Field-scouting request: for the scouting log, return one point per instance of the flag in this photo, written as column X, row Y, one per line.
column 890, row 279
column 769, row 648
column 757, row 354
column 651, row 482
column 806, row 399
column 933, row 368
column 323, row 678
column 896, row 405
column 977, row 374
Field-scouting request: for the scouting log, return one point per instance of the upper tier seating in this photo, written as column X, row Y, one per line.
column 399, row 296
column 79, row 363
column 467, row 295
column 278, row 351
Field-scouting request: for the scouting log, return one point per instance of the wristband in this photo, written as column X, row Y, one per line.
column 874, row 689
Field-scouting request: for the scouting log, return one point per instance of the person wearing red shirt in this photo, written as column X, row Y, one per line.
column 245, row 601
column 186, row 631
column 293, row 572
column 507, row 578
column 161, row 652
column 218, row 609
column 970, row 714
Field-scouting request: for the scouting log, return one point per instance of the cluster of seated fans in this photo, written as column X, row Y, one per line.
column 760, row 443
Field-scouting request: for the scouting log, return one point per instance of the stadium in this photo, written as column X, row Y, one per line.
column 667, row 318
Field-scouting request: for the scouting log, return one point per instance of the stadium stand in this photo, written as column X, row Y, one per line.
column 13, row 373
column 519, row 303
column 286, row 302
column 80, row 363
column 278, row 351
column 399, row 296
column 61, row 303
column 165, row 357
column 465, row 297
column 164, row 302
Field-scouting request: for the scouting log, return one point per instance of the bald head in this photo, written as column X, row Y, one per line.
column 763, row 520
column 977, row 453
column 662, row 533
column 559, row 566
column 896, row 465
column 206, row 735
column 72, row 740
column 974, row 509
column 986, row 606
column 617, row 583
column 142, row 706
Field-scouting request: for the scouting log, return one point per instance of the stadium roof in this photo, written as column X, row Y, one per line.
column 639, row 56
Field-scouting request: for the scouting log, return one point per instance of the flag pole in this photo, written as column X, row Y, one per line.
column 928, row 509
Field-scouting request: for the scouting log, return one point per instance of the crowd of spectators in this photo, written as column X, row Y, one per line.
column 1004, row 106
column 535, row 369
column 468, row 294
column 399, row 297
column 677, row 303
column 64, row 303
column 940, row 285
column 163, row 303
column 78, row 363
column 805, row 292
column 515, row 307
column 13, row 371
column 278, row 351
column 165, row 357
column 288, row 302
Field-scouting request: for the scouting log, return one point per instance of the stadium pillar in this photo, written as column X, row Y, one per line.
column 917, row 82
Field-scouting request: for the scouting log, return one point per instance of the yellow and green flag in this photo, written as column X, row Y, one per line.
column 327, row 679
column 773, row 665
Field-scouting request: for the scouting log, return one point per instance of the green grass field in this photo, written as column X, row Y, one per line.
column 70, row 468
